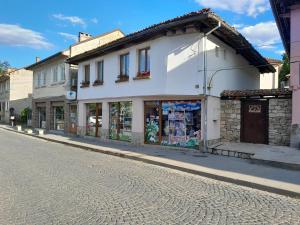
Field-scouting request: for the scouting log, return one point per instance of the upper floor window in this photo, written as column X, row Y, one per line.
column 124, row 65
column 144, row 62
column 100, row 72
column 86, row 76
column 55, row 74
column 62, row 72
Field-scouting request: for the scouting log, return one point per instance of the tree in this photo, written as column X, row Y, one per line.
column 285, row 69
column 4, row 65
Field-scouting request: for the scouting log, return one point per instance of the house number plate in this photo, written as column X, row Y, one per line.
column 254, row 108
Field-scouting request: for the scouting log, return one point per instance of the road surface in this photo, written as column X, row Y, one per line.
column 47, row 183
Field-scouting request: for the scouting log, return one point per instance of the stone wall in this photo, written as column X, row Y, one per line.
column 280, row 119
column 280, row 115
column 230, row 120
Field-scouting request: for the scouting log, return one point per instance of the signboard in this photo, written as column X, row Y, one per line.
column 71, row 95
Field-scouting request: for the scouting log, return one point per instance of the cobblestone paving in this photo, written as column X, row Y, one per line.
column 47, row 183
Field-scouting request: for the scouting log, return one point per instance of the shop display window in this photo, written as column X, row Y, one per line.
column 59, row 117
column 173, row 123
column 120, row 121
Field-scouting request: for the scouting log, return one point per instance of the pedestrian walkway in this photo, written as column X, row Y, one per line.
column 229, row 169
column 280, row 156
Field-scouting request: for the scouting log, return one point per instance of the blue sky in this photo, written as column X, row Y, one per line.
column 40, row 28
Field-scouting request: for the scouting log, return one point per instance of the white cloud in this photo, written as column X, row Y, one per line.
column 264, row 35
column 14, row 35
column 74, row 20
column 280, row 52
column 250, row 7
column 94, row 20
column 68, row 36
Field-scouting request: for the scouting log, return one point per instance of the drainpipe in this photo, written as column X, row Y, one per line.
column 205, row 141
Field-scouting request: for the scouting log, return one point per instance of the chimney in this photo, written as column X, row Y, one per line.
column 83, row 36
column 37, row 59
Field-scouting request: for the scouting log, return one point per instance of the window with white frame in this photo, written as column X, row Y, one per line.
column 44, row 75
column 55, row 74
column 144, row 61
column 87, row 73
column 100, row 71
column 124, row 65
column 62, row 76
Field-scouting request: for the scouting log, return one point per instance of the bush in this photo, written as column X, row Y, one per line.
column 24, row 115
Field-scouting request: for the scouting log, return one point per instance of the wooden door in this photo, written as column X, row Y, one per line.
column 73, row 119
column 254, row 122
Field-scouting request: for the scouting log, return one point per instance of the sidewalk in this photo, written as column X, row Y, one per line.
column 281, row 156
column 228, row 169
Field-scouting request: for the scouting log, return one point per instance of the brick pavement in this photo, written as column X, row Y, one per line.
column 48, row 183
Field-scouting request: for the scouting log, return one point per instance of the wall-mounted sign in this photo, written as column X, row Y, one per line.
column 254, row 108
column 71, row 95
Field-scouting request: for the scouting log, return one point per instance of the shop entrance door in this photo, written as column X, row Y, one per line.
column 42, row 117
column 73, row 119
column 254, row 126
column 94, row 119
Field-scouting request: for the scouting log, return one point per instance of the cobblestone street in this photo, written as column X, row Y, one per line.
column 47, row 183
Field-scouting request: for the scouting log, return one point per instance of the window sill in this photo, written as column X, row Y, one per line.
column 97, row 83
column 142, row 77
column 122, row 79
column 84, row 86
column 58, row 83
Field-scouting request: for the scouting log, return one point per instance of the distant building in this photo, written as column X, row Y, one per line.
column 15, row 93
column 54, row 105
column 270, row 80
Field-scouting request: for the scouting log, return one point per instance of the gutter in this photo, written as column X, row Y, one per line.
column 205, row 139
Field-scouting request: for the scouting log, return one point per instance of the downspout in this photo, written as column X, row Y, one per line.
column 205, row 141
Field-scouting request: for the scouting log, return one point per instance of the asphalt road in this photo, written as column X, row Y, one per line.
column 48, row 183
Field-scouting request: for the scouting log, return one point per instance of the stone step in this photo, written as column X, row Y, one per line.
column 230, row 153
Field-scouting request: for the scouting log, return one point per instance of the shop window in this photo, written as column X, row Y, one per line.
column 93, row 119
column 59, row 118
column 173, row 123
column 120, row 121
column 152, row 122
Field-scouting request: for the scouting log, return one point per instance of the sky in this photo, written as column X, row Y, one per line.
column 43, row 27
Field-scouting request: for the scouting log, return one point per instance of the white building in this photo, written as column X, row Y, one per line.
column 15, row 93
column 148, row 86
column 271, row 80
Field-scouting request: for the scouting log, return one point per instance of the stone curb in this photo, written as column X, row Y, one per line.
column 139, row 157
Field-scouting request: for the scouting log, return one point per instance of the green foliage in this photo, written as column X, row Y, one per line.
column 24, row 114
column 4, row 65
column 285, row 69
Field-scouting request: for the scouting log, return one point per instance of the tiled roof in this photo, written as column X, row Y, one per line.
column 204, row 20
column 274, row 61
column 256, row 93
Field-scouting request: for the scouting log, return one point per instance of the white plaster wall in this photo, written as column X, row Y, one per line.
column 228, row 70
column 213, row 118
column 176, row 69
column 21, row 82
column 269, row 80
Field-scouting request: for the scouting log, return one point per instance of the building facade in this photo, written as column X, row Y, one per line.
column 270, row 80
column 147, row 88
column 54, row 105
column 287, row 15
column 15, row 93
